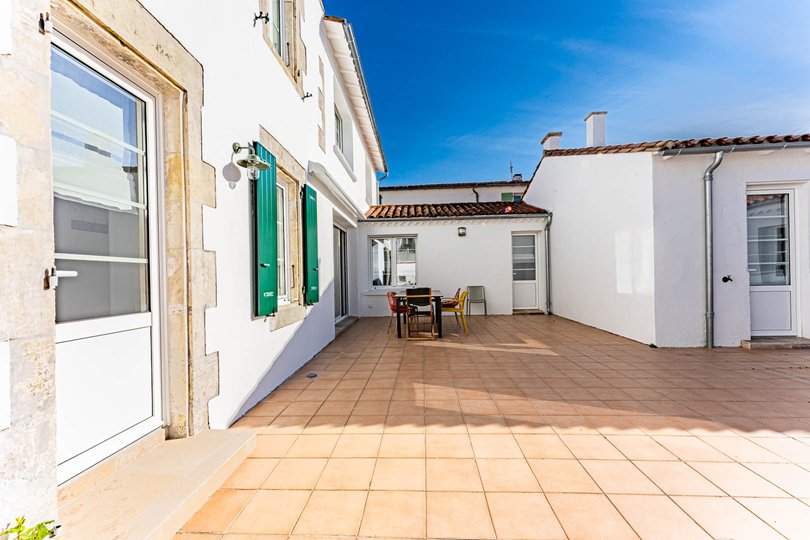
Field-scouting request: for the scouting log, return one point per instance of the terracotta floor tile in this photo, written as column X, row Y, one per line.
column 742, row 450
column 458, row 515
column 791, row 478
column 737, row 481
column 301, row 408
column 266, row 408
column 723, row 517
column 640, row 447
column 332, row 513
column 271, row 512
column 788, row 516
column 295, row 473
column 347, row 474
column 495, row 446
column 287, row 425
column 392, row 514
column 272, row 446
column 542, row 446
column 395, row 445
column 365, row 424
column 690, row 448
column 357, row 445
column 399, row 474
column 797, row 451
column 656, row 516
column 371, row 408
column 677, row 478
column 313, row 446
column 487, row 425
column 523, row 515
column 251, row 474
column 619, row 477
column 445, row 423
column 404, row 424
column 448, row 445
column 452, row 475
column 563, row 476
column 219, row 511
column 440, row 407
column 589, row 517
column 507, row 475
column 591, row 447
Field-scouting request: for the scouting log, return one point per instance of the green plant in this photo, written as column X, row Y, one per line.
column 39, row 531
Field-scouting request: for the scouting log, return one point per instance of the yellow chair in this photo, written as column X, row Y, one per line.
column 459, row 310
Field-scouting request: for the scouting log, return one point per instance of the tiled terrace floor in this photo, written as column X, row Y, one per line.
column 531, row 427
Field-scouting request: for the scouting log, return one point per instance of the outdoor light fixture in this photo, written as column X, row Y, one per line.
column 251, row 162
column 462, row 231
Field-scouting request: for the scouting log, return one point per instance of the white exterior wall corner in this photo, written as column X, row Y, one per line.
column 602, row 254
column 679, row 241
column 253, row 358
column 446, row 261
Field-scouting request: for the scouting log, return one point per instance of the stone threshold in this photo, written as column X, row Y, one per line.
column 776, row 343
column 156, row 493
column 344, row 324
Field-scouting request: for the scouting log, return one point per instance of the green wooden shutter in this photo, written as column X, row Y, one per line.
column 264, row 235
column 310, row 210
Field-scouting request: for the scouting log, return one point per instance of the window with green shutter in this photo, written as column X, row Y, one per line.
column 310, row 215
column 265, row 238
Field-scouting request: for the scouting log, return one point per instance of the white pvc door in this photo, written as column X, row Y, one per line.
column 107, row 353
column 770, row 263
column 524, row 272
column 341, row 281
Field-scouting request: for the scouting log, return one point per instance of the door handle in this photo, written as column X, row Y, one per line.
column 53, row 275
column 264, row 265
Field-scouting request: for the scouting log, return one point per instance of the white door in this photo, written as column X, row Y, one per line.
column 524, row 272
column 107, row 328
column 341, row 281
column 770, row 263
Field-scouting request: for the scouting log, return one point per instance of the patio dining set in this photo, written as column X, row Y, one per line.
column 421, row 309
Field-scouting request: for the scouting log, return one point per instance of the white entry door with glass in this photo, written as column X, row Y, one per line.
column 341, row 281
column 105, row 232
column 770, row 263
column 525, row 283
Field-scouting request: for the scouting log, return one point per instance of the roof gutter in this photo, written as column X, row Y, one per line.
column 728, row 149
column 347, row 30
column 455, row 218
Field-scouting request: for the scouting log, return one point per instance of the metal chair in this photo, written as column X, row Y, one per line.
column 458, row 309
column 476, row 295
column 420, row 306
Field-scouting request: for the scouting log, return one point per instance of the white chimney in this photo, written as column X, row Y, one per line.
column 552, row 140
column 595, row 129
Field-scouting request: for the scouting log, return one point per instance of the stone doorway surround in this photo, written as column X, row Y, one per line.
column 126, row 34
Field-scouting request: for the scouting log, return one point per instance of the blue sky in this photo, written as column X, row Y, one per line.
column 461, row 88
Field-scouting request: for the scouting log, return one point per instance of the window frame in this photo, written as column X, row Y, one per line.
column 394, row 261
column 281, row 197
column 339, row 131
column 281, row 30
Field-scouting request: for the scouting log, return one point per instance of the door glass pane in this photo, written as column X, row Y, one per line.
column 406, row 261
column 99, row 177
column 523, row 258
column 768, row 239
column 381, row 259
column 102, row 289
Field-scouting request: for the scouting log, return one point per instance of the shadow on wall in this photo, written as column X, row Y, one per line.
column 537, row 372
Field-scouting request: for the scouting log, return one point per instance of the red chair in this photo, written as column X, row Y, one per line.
column 392, row 305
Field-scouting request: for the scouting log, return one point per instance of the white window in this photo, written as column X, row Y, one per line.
column 338, row 130
column 277, row 25
column 393, row 261
column 283, row 246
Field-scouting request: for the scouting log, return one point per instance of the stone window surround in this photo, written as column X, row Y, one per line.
column 292, row 176
column 141, row 46
column 291, row 36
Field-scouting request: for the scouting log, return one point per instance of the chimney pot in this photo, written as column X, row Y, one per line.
column 552, row 140
column 517, row 177
column 595, row 129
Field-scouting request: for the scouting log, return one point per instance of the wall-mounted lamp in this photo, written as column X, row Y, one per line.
column 462, row 231
column 251, row 162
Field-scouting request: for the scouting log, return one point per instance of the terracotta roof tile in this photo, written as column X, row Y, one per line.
column 654, row 146
column 450, row 210
column 459, row 185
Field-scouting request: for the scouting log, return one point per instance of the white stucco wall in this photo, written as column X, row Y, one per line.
column 254, row 359
column 415, row 196
column 446, row 262
column 602, row 263
column 679, row 241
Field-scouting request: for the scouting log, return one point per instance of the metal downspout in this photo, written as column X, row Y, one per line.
column 708, row 180
column 547, row 242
